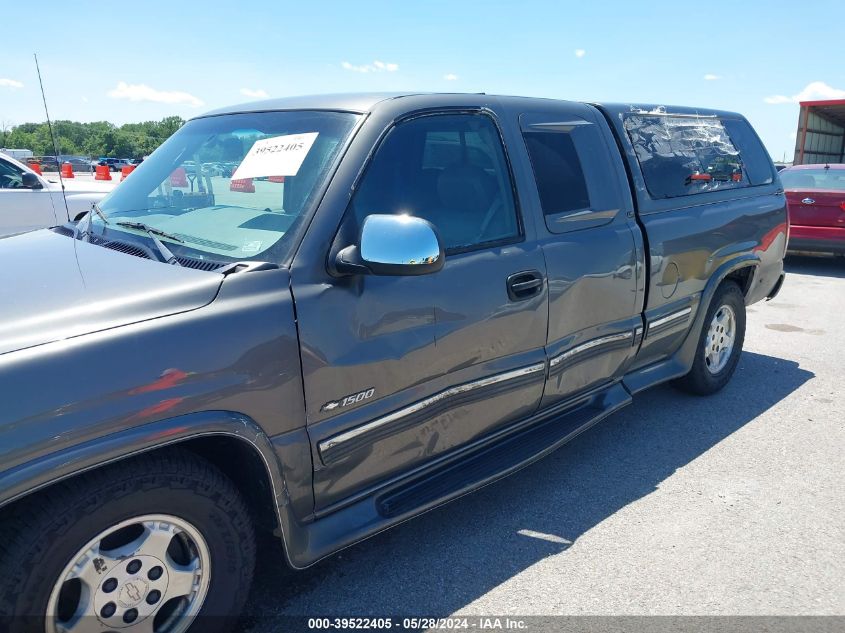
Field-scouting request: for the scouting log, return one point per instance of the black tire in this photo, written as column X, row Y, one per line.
column 700, row 380
column 41, row 534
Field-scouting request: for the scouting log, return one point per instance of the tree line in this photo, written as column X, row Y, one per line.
column 100, row 138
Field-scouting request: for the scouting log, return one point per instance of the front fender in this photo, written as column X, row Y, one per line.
column 54, row 467
column 72, row 404
column 47, row 469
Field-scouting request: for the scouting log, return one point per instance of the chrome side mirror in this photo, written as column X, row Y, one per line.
column 393, row 245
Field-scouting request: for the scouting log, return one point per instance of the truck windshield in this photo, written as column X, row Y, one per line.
column 232, row 187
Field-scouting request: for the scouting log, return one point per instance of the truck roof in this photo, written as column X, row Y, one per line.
column 350, row 102
column 365, row 102
column 664, row 109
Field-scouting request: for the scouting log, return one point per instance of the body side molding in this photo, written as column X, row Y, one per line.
column 590, row 345
column 669, row 318
column 329, row 447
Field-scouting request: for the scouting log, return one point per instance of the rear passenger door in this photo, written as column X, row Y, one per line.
column 593, row 248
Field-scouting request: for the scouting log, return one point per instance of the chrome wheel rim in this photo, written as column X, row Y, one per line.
column 142, row 575
column 719, row 342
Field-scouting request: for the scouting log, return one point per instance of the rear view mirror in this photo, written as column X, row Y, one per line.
column 393, row 245
column 30, row 181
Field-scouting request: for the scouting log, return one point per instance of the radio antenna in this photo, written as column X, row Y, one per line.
column 52, row 138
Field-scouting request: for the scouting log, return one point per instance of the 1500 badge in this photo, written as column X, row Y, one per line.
column 351, row 399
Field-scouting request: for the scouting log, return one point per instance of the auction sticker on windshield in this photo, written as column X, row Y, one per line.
column 276, row 156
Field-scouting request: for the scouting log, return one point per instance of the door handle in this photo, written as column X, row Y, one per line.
column 524, row 285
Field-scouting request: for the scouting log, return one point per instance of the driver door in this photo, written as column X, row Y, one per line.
column 400, row 370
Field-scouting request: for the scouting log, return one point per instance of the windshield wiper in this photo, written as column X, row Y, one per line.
column 140, row 226
column 168, row 255
column 95, row 208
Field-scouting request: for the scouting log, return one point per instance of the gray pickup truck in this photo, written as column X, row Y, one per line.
column 387, row 302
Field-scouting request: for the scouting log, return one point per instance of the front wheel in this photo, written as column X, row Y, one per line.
column 147, row 545
column 720, row 342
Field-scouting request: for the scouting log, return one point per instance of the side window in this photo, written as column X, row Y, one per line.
column 447, row 148
column 10, row 176
column 684, row 155
column 449, row 169
column 573, row 169
column 755, row 157
column 558, row 172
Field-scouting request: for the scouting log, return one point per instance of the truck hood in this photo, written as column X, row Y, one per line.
column 55, row 287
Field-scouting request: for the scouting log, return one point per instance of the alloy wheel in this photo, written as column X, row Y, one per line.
column 719, row 342
column 148, row 574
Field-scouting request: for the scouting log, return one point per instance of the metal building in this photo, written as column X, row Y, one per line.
column 821, row 132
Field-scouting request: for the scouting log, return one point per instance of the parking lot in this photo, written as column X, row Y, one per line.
column 85, row 176
column 677, row 505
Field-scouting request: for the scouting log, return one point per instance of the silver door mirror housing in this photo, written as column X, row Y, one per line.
column 393, row 245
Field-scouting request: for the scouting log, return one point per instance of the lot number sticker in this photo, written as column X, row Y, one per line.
column 276, row 156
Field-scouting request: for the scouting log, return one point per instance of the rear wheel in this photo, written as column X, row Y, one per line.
column 720, row 342
column 147, row 545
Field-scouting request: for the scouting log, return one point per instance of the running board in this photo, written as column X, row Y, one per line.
column 511, row 450
column 503, row 458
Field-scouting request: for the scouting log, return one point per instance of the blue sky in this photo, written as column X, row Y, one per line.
column 135, row 61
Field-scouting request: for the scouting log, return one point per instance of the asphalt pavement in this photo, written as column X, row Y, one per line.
column 677, row 505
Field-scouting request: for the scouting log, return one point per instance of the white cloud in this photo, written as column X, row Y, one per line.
column 143, row 92
column 777, row 99
column 388, row 67
column 84, row 99
column 11, row 84
column 711, row 77
column 450, row 77
column 254, row 94
column 814, row 91
column 375, row 67
column 580, row 52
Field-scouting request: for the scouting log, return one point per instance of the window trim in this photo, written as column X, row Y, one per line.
column 444, row 111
